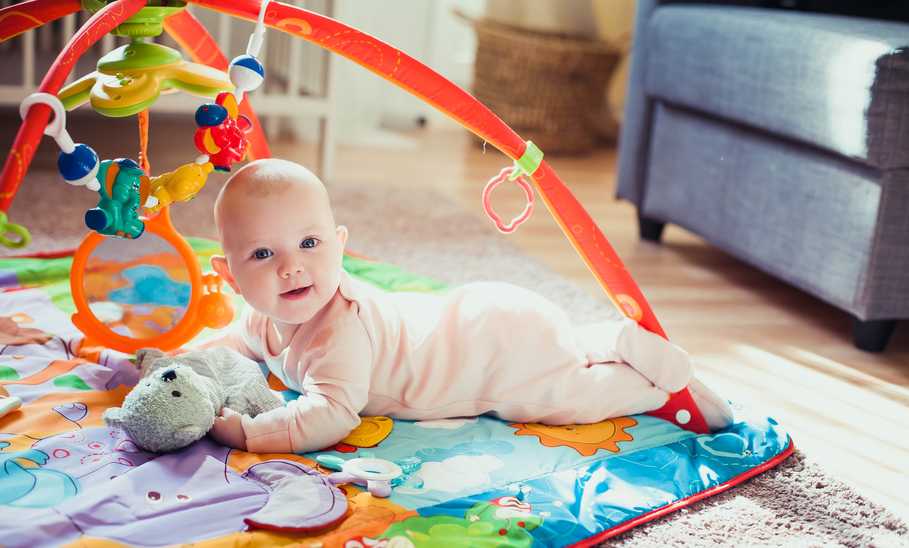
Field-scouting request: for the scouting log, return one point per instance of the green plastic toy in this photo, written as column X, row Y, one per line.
column 124, row 187
column 130, row 78
column 12, row 235
column 147, row 22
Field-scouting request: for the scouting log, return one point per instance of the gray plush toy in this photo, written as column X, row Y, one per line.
column 178, row 397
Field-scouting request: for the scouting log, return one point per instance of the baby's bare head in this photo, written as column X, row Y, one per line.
column 283, row 251
column 261, row 187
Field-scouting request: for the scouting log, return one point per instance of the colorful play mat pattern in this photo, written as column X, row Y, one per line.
column 67, row 479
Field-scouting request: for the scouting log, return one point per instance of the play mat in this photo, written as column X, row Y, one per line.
column 67, row 479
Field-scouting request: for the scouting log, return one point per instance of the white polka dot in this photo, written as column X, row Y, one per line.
column 682, row 416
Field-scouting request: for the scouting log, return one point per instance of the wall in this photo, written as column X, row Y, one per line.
column 367, row 105
column 369, row 109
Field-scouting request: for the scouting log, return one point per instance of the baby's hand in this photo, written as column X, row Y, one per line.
column 228, row 429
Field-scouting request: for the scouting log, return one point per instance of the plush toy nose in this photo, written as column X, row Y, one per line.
column 169, row 376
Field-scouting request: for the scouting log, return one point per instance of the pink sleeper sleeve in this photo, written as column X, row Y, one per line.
column 244, row 334
column 316, row 420
column 331, row 366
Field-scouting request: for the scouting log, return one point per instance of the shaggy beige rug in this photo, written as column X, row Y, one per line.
column 795, row 504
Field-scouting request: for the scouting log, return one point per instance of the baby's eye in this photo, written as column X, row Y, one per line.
column 262, row 253
column 309, row 243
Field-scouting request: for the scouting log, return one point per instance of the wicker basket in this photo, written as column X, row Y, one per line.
column 547, row 87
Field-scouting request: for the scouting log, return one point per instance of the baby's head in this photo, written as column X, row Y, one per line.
column 282, row 248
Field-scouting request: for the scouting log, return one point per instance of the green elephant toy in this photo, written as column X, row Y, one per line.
column 124, row 188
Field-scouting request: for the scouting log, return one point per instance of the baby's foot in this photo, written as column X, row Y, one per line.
column 715, row 409
column 663, row 363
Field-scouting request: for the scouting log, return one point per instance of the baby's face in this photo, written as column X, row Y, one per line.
column 284, row 251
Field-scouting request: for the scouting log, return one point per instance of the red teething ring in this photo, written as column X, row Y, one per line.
column 528, row 209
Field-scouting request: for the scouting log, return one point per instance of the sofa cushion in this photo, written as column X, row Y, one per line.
column 798, row 213
column 838, row 83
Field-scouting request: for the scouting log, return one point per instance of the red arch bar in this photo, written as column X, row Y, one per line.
column 24, row 16
column 415, row 77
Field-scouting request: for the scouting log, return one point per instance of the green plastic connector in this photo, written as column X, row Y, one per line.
column 528, row 163
column 137, row 56
column 147, row 22
column 8, row 228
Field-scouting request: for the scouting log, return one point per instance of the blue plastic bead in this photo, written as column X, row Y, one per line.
column 96, row 219
column 246, row 72
column 79, row 166
column 210, row 114
column 249, row 62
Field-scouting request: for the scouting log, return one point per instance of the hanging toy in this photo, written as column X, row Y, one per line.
column 222, row 131
column 124, row 188
column 79, row 166
column 77, row 163
column 179, row 185
column 246, row 74
column 523, row 168
column 221, row 137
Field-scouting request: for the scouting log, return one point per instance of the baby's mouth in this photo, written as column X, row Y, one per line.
column 297, row 293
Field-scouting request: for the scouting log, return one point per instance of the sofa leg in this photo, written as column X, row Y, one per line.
column 651, row 230
column 872, row 335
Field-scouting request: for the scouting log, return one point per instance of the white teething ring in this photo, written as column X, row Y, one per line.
column 372, row 469
column 56, row 128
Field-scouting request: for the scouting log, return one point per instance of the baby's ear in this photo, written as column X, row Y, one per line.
column 342, row 235
column 219, row 264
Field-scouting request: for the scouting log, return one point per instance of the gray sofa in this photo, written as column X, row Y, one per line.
column 782, row 137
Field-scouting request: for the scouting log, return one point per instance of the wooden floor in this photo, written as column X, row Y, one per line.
column 756, row 340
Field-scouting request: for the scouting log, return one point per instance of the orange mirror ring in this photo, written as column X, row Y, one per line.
column 148, row 292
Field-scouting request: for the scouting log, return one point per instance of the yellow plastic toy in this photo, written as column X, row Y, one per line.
column 179, row 185
column 370, row 432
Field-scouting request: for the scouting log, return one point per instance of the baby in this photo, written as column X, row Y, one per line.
column 353, row 349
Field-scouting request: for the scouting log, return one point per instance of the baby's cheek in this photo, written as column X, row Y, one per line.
column 252, row 290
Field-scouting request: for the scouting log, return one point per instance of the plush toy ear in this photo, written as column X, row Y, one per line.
column 146, row 356
column 114, row 417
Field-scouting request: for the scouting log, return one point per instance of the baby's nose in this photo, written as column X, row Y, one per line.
column 290, row 269
column 169, row 376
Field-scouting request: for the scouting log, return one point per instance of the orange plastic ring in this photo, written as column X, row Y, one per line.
column 188, row 326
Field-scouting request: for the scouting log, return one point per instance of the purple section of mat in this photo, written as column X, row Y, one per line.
column 8, row 278
column 184, row 496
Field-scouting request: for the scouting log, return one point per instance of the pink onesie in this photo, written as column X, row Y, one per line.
column 480, row 348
